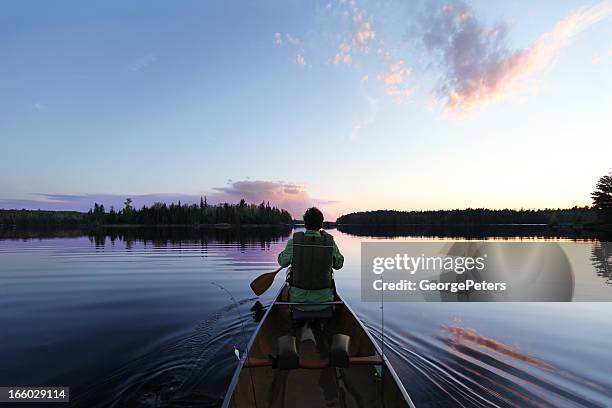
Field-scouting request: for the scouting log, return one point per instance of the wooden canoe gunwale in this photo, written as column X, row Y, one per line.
column 381, row 360
column 387, row 364
column 230, row 391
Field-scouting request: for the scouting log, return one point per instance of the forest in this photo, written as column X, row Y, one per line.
column 472, row 216
column 159, row 213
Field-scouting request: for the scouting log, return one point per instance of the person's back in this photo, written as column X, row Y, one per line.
column 312, row 254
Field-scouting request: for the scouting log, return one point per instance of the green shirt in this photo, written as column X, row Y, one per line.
column 304, row 295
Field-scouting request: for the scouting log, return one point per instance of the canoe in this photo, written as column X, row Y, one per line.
column 331, row 360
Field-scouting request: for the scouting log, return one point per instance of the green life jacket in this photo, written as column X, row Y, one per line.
column 311, row 266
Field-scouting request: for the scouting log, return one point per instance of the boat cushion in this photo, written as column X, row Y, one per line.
column 339, row 351
column 288, row 357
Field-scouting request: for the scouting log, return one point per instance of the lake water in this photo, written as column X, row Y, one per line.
column 150, row 319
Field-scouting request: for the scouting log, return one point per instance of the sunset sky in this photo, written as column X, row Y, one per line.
column 349, row 105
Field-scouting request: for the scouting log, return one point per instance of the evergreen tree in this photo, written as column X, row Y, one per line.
column 602, row 197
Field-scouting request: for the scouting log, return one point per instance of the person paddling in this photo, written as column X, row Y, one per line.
column 312, row 255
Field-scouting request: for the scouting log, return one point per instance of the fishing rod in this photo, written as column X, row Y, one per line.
column 246, row 346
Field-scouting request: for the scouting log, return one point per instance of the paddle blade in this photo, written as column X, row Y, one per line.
column 261, row 283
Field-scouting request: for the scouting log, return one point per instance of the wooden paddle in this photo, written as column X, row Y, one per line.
column 261, row 283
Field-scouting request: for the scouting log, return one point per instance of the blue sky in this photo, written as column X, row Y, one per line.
column 350, row 105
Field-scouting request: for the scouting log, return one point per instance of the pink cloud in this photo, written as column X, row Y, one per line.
column 344, row 55
column 396, row 74
column 478, row 68
column 396, row 81
column 362, row 33
column 290, row 196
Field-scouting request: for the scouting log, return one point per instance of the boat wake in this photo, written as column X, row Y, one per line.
column 191, row 368
column 461, row 367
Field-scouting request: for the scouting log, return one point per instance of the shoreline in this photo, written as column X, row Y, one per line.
column 601, row 227
column 127, row 226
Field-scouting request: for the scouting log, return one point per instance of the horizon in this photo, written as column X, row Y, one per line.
column 295, row 217
column 345, row 105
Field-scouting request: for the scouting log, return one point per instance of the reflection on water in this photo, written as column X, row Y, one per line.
column 462, row 338
column 467, row 344
column 511, row 231
column 602, row 260
column 161, row 236
column 150, row 318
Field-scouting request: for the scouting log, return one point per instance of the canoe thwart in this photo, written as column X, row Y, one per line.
column 335, row 302
column 254, row 362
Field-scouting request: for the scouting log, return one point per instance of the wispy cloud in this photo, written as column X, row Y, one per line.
column 473, row 60
column 141, row 63
column 293, row 40
column 281, row 40
column 278, row 39
column 83, row 202
column 39, row 106
column 372, row 109
column 395, row 76
column 477, row 66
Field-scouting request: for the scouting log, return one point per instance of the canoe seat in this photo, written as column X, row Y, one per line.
column 298, row 314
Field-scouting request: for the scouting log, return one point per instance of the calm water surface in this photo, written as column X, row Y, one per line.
column 150, row 320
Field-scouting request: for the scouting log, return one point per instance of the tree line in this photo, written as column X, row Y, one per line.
column 599, row 212
column 472, row 216
column 159, row 213
column 185, row 214
column 243, row 213
column 41, row 218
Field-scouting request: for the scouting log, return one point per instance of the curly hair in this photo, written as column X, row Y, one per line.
column 313, row 219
